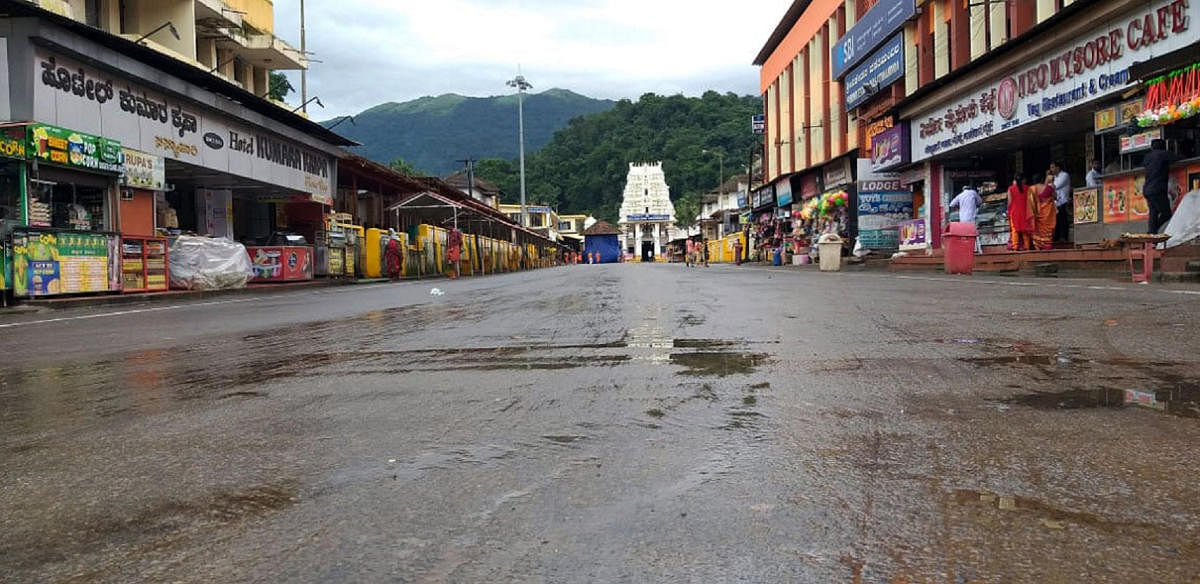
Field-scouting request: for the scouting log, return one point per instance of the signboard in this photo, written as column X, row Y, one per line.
column 763, row 196
column 13, row 142
column 538, row 209
column 1139, row 208
column 281, row 264
column 879, row 70
column 783, row 191
column 71, row 94
column 1140, row 141
column 886, row 17
column 1174, row 88
column 1087, row 210
column 912, row 234
column 890, row 148
column 810, row 185
column 1105, row 118
column 758, row 123
column 882, row 205
column 1116, row 199
column 1127, row 111
column 71, row 148
column 1075, row 72
column 837, row 173
column 876, row 128
column 742, row 201
column 144, row 171
column 49, row 264
column 645, row 217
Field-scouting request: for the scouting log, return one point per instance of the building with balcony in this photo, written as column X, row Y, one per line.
column 232, row 39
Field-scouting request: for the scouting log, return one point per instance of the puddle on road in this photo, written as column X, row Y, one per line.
column 717, row 363
column 1048, row 515
column 1183, row 401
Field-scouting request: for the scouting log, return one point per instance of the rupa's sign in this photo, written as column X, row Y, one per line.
column 1076, row 72
column 67, row 93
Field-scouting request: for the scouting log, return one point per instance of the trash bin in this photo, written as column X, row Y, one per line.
column 777, row 257
column 960, row 248
column 830, row 246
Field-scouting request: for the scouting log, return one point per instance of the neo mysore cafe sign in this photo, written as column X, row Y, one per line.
column 1096, row 65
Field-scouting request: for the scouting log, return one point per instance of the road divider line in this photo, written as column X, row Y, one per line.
column 128, row 312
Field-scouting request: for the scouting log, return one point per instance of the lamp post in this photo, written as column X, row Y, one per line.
column 521, row 85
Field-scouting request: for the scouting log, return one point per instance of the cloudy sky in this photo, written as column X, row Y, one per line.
column 372, row 51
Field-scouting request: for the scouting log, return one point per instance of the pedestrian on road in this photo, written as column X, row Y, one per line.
column 1062, row 194
column 737, row 251
column 1020, row 221
column 703, row 251
column 1158, row 169
column 454, row 251
column 968, row 202
column 687, row 253
column 392, row 254
column 1045, row 212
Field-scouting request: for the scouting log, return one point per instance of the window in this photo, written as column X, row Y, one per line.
column 565, row 226
column 537, row 220
column 65, row 205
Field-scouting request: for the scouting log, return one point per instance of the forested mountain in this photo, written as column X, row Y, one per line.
column 582, row 168
column 433, row 133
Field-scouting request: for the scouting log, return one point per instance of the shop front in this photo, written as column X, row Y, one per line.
column 1167, row 108
column 195, row 162
column 764, row 224
column 1036, row 107
column 66, row 239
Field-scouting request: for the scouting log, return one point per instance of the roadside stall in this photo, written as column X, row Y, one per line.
column 68, row 243
column 144, row 256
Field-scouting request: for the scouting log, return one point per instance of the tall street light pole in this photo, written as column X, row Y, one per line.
column 304, row 55
column 521, row 85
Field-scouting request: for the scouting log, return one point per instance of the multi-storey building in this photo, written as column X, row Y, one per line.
column 932, row 95
column 123, row 121
column 232, row 39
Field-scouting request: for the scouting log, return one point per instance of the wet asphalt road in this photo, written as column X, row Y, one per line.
column 621, row 423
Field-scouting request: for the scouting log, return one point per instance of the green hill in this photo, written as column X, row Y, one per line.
column 583, row 168
column 434, row 133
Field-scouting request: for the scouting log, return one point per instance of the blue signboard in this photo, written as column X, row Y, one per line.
column 878, row 71
column 644, row 217
column 783, row 192
column 758, row 123
column 869, row 32
column 886, row 203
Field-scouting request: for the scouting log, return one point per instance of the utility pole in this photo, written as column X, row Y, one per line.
column 521, row 85
column 470, row 164
column 303, row 70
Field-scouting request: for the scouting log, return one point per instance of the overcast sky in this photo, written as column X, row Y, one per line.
column 373, row 51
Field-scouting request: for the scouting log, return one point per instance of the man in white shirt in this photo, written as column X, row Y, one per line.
column 1093, row 175
column 1062, row 199
column 968, row 202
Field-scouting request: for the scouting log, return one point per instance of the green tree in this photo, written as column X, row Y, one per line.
column 279, row 86
column 687, row 208
column 399, row 165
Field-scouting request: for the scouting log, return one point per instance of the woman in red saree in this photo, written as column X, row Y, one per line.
column 1020, row 220
column 1045, row 213
column 454, row 242
column 392, row 255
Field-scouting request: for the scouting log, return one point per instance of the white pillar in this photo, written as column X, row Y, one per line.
column 657, row 232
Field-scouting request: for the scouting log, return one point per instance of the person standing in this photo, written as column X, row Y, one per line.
column 737, row 251
column 1158, row 170
column 968, row 202
column 1045, row 212
column 454, row 251
column 1093, row 175
column 1020, row 222
column 1062, row 194
column 689, row 250
column 392, row 253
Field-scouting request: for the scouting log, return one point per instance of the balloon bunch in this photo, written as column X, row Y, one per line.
column 810, row 208
column 831, row 201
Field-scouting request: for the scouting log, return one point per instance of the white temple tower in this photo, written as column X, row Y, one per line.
column 647, row 215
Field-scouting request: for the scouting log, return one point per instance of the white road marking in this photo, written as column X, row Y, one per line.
column 127, row 312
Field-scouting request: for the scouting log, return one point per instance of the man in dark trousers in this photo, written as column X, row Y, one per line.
column 1158, row 166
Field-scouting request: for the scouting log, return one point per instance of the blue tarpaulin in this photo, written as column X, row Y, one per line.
column 609, row 247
